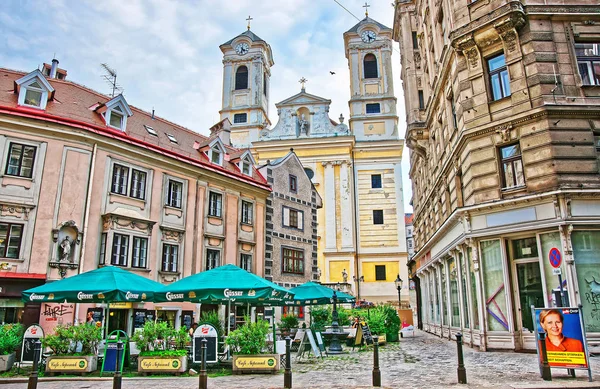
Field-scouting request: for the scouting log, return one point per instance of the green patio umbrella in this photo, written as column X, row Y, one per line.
column 312, row 293
column 107, row 284
column 225, row 284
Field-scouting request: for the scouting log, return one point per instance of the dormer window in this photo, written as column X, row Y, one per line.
column 172, row 138
column 246, row 166
column 116, row 118
column 115, row 112
column 34, row 90
column 215, row 155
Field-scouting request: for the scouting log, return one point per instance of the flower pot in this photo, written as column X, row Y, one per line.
column 71, row 364
column 261, row 363
column 154, row 364
column 7, row 361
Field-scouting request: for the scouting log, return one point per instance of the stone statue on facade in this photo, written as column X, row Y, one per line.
column 345, row 276
column 65, row 249
column 304, row 125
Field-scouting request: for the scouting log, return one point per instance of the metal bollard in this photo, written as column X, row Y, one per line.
column 33, row 377
column 203, row 378
column 461, row 371
column 287, row 375
column 376, row 371
column 118, row 376
column 546, row 374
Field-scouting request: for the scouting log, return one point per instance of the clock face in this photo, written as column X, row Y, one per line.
column 242, row 48
column 368, row 36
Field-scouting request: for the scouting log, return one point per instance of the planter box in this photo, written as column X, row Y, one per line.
column 175, row 365
column 71, row 364
column 7, row 361
column 382, row 339
column 262, row 363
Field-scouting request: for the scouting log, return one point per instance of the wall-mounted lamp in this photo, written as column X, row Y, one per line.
column 360, row 279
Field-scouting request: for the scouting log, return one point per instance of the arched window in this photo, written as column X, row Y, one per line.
column 241, row 78
column 370, row 65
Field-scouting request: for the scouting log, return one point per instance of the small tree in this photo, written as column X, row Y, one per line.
column 249, row 339
column 11, row 336
column 287, row 323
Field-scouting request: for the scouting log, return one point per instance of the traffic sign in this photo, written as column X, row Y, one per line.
column 555, row 257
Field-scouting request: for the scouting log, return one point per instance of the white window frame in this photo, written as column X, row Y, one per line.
column 178, row 201
column 247, row 212
column 242, row 260
column 151, row 130
column 129, row 185
column 217, row 263
column 24, row 85
column 286, row 218
column 121, row 108
column 217, row 211
column 171, row 265
column 107, row 242
column 215, row 151
column 171, row 137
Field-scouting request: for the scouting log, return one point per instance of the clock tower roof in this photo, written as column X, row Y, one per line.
column 249, row 34
column 368, row 20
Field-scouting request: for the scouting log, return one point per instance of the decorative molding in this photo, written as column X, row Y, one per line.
column 112, row 221
column 172, row 235
column 13, row 210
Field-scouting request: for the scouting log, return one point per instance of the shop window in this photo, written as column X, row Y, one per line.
column 474, row 301
column 465, row 289
column 524, row 248
column 10, row 240
column 587, row 266
column 454, row 305
column 293, row 261
column 588, row 62
column 498, row 77
column 444, row 297
column 170, row 258
column 512, row 166
column 20, row 160
column 213, row 259
column 494, row 287
column 214, row 204
column 380, row 273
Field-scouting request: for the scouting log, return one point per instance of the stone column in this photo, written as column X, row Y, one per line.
column 567, row 250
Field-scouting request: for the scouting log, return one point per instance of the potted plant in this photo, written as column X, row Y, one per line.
column 249, row 344
column 162, row 348
column 288, row 325
column 11, row 336
column 74, row 349
column 392, row 322
column 376, row 322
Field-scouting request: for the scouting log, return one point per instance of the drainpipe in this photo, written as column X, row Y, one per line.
column 195, row 240
column 356, row 219
column 86, row 215
column 54, row 68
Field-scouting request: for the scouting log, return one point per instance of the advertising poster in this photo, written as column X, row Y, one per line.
column 565, row 340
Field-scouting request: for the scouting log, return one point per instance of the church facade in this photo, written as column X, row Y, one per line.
column 355, row 167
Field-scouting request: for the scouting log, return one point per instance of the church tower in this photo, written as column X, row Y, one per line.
column 247, row 61
column 372, row 102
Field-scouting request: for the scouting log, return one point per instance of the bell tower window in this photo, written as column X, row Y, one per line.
column 241, row 78
column 370, row 66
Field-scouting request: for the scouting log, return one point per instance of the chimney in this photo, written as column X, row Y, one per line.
column 54, row 68
column 222, row 130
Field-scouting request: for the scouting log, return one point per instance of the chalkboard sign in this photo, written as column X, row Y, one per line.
column 208, row 332
column 97, row 314
column 313, row 344
column 187, row 318
column 366, row 332
column 139, row 318
column 109, row 363
column 307, row 339
column 32, row 334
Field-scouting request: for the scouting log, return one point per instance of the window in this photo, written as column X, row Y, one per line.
column 499, row 81
column 10, row 240
column 296, row 311
column 215, row 155
column 421, row 100
column 34, row 90
column 174, row 194
column 119, row 250
column 374, row 108
column 120, row 179
column 293, row 218
column 377, row 216
column 34, row 93
column 240, row 118
column 370, row 66
column 309, row 172
column 102, row 258
column 20, row 160
column 246, row 167
column 150, row 130
column 116, row 118
column 138, row 184
column 170, row 256
column 380, row 273
column 246, row 262
column 140, row 252
column 246, row 212
column 375, row 181
column 241, row 78
column 171, row 138
column 454, row 118
column 512, row 166
column 213, row 259
column 293, row 261
column 214, row 204
column 293, row 184
column 265, row 84
column 588, row 62
column 415, row 40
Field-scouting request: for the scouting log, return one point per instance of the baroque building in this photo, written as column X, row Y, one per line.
column 355, row 168
column 503, row 118
column 88, row 180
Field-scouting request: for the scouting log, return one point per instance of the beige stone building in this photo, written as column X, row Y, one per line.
column 87, row 180
column 503, row 126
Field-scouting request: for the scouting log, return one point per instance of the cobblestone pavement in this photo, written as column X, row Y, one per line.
column 423, row 361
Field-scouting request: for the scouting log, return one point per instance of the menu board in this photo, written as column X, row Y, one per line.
column 140, row 316
column 363, row 332
column 32, row 335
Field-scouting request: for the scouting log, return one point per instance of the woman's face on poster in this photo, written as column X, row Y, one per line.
column 553, row 324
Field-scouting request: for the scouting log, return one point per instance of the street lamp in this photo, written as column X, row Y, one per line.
column 334, row 346
column 398, row 283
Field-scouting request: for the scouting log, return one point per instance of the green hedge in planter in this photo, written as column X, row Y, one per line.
column 67, row 339
column 249, row 339
column 155, row 338
column 11, row 336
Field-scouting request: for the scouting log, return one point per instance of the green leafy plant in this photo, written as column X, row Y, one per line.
column 212, row 318
column 319, row 318
column 288, row 322
column 392, row 322
column 160, row 338
column 249, row 339
column 67, row 339
column 11, row 336
column 376, row 322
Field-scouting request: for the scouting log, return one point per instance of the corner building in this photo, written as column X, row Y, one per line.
column 503, row 126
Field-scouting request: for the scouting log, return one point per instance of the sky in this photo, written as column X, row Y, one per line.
column 167, row 57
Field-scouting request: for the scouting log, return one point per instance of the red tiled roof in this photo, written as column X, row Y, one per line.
column 74, row 104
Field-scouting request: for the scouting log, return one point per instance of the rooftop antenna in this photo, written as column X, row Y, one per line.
column 111, row 78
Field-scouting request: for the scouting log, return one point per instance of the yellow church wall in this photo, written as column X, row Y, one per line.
column 377, row 235
column 372, row 88
column 392, row 269
column 239, row 137
column 369, row 155
column 336, row 268
column 374, row 128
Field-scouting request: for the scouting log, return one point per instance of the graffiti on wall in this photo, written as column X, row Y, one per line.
column 57, row 312
column 592, row 297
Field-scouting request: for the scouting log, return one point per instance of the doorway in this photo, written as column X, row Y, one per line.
column 528, row 288
column 118, row 320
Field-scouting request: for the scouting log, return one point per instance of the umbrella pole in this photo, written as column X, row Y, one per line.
column 106, row 321
column 228, row 317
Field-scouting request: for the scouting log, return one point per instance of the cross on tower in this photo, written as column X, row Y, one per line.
column 366, row 7
column 249, row 19
column 303, row 81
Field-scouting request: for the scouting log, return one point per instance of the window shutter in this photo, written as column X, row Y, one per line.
column 301, row 220
column 286, row 217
